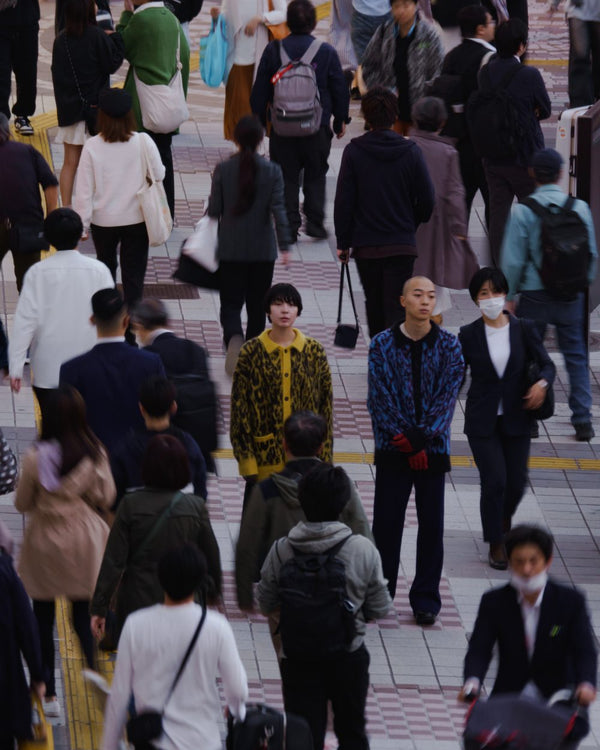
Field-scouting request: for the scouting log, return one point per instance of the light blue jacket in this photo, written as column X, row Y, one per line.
column 521, row 244
column 589, row 10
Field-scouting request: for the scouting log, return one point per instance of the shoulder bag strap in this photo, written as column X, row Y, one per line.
column 156, row 528
column 346, row 270
column 81, row 96
column 310, row 53
column 190, row 648
column 285, row 58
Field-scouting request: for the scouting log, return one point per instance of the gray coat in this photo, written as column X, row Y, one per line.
column 249, row 238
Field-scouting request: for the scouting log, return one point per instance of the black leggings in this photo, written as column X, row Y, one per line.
column 45, row 614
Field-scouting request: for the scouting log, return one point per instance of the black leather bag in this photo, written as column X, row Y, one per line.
column 27, row 238
column 266, row 728
column 532, row 375
column 147, row 726
column 346, row 335
column 191, row 272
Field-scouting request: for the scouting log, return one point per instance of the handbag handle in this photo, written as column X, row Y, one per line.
column 345, row 270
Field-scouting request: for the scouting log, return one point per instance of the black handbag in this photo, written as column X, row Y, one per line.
column 268, row 728
column 346, row 335
column 147, row 726
column 532, row 375
column 27, row 238
column 191, row 272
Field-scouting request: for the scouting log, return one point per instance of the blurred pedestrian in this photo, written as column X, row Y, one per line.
column 367, row 17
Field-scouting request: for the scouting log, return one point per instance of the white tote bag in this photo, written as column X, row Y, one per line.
column 163, row 107
column 153, row 201
column 202, row 245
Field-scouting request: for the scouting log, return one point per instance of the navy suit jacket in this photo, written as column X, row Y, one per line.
column 179, row 356
column 487, row 389
column 564, row 654
column 109, row 377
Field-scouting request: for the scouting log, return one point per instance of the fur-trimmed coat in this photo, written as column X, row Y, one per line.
column 425, row 57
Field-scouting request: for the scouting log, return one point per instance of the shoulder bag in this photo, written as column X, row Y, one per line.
column 89, row 111
column 147, row 726
column 532, row 375
column 163, row 107
column 278, row 30
column 153, row 201
column 346, row 335
column 213, row 54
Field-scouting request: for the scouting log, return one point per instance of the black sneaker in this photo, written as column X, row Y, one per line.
column 317, row 231
column 23, row 126
column 584, row 431
column 425, row 618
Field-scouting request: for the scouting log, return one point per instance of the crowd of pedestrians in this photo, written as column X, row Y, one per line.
column 115, row 489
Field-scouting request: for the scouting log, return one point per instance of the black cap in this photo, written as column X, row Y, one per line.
column 115, row 102
column 107, row 304
column 547, row 162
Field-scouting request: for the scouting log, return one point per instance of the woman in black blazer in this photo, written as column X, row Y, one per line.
column 498, row 417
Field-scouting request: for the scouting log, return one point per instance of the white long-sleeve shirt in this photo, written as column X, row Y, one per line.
column 109, row 177
column 53, row 314
column 151, row 649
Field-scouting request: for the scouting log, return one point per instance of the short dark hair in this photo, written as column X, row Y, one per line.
column 283, row 293
column 108, row 307
column 429, row 113
column 510, row 35
column 304, row 433
column 379, row 107
column 524, row 534
column 323, row 492
column 494, row 275
column 150, row 313
column 165, row 464
column 469, row 18
column 63, row 228
column 182, row 571
column 157, row 395
column 301, row 17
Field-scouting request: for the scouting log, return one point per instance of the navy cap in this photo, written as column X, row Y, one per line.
column 547, row 162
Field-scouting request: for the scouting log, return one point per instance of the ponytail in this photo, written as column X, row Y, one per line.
column 248, row 134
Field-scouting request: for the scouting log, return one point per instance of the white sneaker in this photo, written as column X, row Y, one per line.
column 51, row 708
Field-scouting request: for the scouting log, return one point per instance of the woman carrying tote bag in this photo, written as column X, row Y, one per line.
column 113, row 169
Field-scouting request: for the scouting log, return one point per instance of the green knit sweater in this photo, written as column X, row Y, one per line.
column 150, row 38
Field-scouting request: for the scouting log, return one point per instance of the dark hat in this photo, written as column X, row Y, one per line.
column 115, row 102
column 547, row 162
column 107, row 304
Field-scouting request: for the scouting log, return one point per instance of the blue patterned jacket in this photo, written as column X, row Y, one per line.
column 413, row 386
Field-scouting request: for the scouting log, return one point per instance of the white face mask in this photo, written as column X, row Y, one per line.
column 492, row 307
column 529, row 585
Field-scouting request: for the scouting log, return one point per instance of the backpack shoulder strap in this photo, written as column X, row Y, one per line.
column 535, row 206
column 285, row 58
column 337, row 547
column 507, row 78
column 310, row 53
column 569, row 203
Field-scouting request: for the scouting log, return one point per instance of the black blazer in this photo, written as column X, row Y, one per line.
column 109, row 377
column 564, row 653
column 179, row 356
column 487, row 389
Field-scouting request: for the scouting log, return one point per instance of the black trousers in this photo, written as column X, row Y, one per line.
column 382, row 280
column 19, row 54
column 344, row 680
column 309, row 154
column 21, row 261
column 239, row 284
column 133, row 239
column 163, row 144
column 393, row 486
column 502, row 463
column 584, row 62
column 43, row 396
column 504, row 183
column 473, row 177
column 44, row 612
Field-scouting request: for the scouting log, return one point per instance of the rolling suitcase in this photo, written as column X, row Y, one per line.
column 567, row 147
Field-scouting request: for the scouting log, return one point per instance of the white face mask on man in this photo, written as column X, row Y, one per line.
column 492, row 307
column 529, row 585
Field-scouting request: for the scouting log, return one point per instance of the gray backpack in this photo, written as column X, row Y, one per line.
column 296, row 109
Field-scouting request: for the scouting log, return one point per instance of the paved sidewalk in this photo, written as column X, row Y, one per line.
column 415, row 672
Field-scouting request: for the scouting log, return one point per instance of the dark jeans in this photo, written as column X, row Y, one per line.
column 21, row 261
column 243, row 283
column 584, row 62
column 504, row 183
column 392, row 490
column 473, row 177
column 362, row 28
column 308, row 153
column 19, row 54
column 133, row 256
column 382, row 280
column 163, row 144
column 44, row 613
column 568, row 319
column 502, row 463
column 344, row 680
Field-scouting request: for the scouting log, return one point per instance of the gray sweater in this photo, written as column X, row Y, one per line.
column 365, row 584
column 249, row 238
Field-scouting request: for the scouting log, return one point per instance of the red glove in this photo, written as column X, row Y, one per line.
column 418, row 462
column 402, row 443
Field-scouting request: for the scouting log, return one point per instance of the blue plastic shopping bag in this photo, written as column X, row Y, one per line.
column 213, row 54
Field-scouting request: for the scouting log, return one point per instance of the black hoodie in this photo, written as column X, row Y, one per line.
column 383, row 191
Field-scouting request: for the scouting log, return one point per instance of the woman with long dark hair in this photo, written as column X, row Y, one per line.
column 83, row 57
column 246, row 195
column 65, row 483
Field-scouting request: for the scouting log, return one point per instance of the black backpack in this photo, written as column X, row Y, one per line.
column 317, row 618
column 197, row 411
column 565, row 247
column 493, row 118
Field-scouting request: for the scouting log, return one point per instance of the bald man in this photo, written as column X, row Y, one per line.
column 415, row 372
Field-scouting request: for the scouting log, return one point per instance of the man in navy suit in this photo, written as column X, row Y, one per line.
column 109, row 376
column 542, row 628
